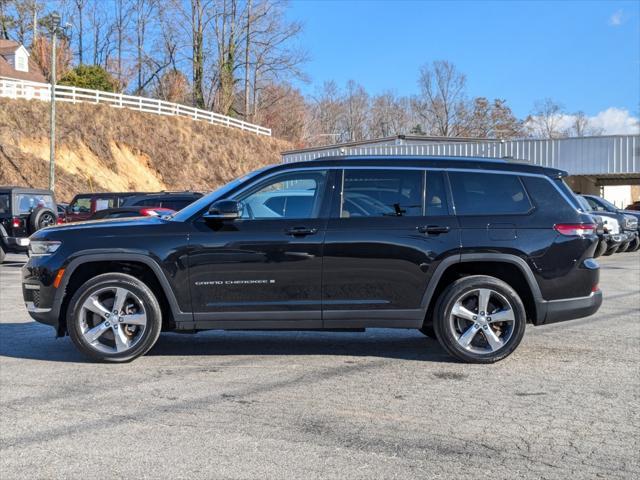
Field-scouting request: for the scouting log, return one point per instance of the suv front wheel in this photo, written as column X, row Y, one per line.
column 114, row 317
column 480, row 319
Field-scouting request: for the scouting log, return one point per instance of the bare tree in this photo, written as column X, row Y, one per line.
column 390, row 115
column 356, row 111
column 441, row 100
column 583, row 127
column 485, row 119
column 545, row 121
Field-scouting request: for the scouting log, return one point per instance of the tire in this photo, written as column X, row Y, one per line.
column 623, row 247
column 428, row 330
column 634, row 245
column 40, row 218
column 2, row 254
column 135, row 338
column 600, row 249
column 502, row 300
column 611, row 251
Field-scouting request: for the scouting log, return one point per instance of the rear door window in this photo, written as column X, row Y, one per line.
column 477, row 193
column 382, row 193
column 436, row 195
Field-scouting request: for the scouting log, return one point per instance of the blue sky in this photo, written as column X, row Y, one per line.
column 584, row 54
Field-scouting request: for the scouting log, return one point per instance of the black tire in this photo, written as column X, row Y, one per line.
column 41, row 217
column 634, row 245
column 611, row 251
column 2, row 254
column 428, row 331
column 468, row 285
column 148, row 336
column 623, row 247
column 600, row 249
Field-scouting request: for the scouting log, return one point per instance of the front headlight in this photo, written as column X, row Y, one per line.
column 43, row 247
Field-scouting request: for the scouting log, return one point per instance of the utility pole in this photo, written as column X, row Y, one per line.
column 55, row 26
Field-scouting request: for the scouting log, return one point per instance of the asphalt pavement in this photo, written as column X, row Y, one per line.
column 380, row 404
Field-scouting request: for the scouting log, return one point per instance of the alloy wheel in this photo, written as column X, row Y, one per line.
column 482, row 321
column 113, row 320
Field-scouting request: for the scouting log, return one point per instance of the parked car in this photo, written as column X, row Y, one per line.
column 23, row 211
column 128, row 212
column 172, row 200
column 62, row 212
column 466, row 250
column 628, row 221
column 635, row 206
column 84, row 205
column 609, row 238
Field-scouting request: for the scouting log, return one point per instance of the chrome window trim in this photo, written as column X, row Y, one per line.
column 329, row 168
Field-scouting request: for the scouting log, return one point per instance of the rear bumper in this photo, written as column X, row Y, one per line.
column 572, row 308
column 15, row 244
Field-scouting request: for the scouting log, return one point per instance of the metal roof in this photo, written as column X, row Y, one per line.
column 602, row 155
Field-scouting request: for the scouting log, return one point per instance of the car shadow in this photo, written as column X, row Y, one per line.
column 34, row 341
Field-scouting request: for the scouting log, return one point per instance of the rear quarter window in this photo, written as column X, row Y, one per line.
column 546, row 197
column 488, row 194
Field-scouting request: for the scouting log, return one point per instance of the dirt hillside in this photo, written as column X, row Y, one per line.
column 101, row 148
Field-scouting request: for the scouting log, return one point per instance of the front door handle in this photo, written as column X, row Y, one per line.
column 300, row 231
column 433, row 229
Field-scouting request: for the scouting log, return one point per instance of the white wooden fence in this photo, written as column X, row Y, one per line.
column 42, row 91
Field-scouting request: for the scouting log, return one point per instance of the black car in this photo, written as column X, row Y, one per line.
column 628, row 221
column 466, row 250
column 171, row 200
column 23, row 211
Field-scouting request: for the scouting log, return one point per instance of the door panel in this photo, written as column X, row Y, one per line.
column 377, row 267
column 265, row 265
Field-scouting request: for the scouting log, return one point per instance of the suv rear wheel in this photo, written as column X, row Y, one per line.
column 114, row 317
column 480, row 319
column 41, row 217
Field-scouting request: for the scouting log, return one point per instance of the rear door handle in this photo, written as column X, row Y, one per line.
column 300, row 231
column 433, row 229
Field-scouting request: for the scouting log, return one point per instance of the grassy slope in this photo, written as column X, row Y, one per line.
column 108, row 149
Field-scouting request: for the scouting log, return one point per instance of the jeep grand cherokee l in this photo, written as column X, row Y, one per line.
column 466, row 250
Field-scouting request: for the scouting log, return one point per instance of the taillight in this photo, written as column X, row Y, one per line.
column 575, row 229
column 16, row 223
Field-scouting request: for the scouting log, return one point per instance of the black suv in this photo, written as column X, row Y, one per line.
column 23, row 211
column 466, row 250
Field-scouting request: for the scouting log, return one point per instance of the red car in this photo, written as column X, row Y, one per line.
column 633, row 206
column 131, row 212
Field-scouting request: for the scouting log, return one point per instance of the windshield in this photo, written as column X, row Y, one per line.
column 607, row 204
column 202, row 203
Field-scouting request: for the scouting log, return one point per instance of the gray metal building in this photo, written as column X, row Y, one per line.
column 592, row 162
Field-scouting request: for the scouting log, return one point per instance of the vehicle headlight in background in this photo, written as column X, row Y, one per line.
column 43, row 247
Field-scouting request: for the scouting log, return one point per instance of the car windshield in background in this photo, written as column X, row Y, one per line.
column 28, row 202
column 203, row 202
column 608, row 205
column 5, row 208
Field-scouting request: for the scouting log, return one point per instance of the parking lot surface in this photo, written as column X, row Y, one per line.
column 380, row 404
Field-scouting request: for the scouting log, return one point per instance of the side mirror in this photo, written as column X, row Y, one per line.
column 224, row 210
